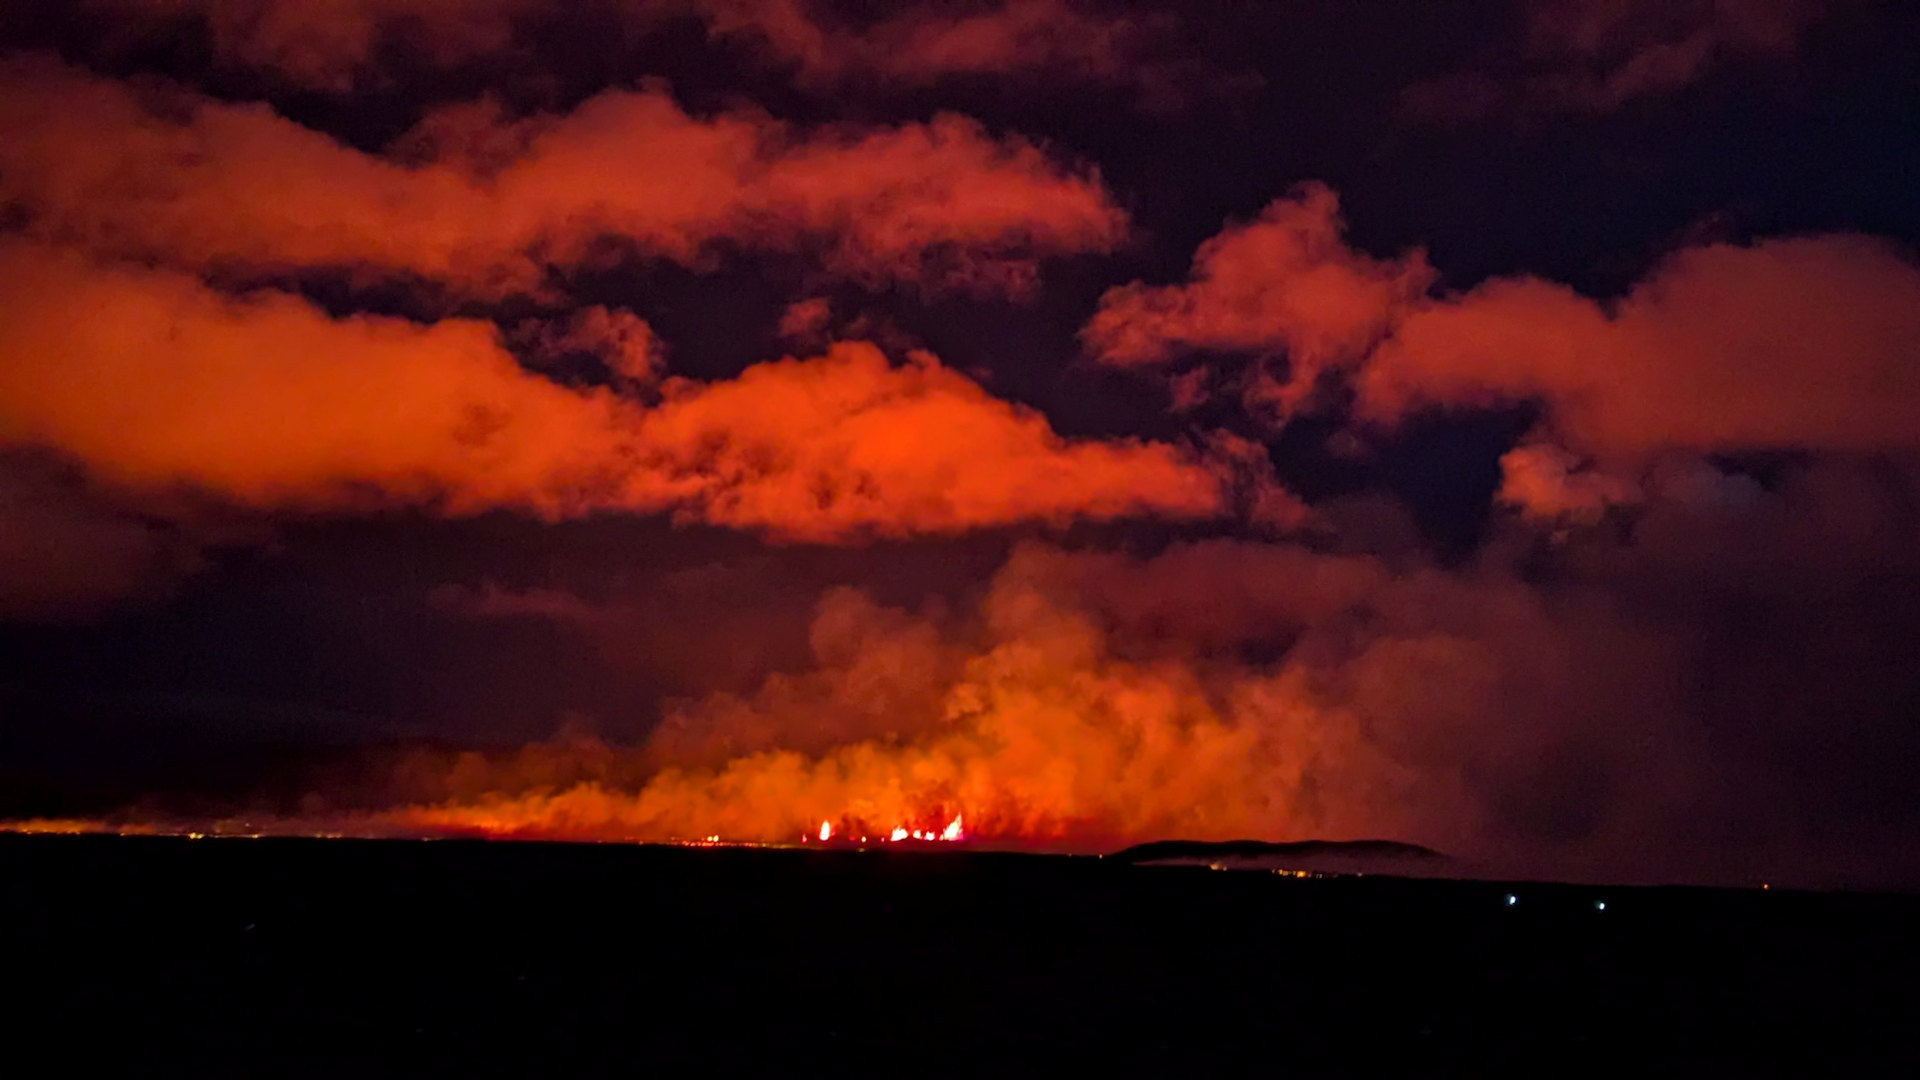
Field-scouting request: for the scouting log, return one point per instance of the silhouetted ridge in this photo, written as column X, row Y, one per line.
column 1202, row 849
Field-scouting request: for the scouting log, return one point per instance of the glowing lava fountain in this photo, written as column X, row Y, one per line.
column 952, row 833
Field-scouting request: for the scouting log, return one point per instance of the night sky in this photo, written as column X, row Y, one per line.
column 1493, row 425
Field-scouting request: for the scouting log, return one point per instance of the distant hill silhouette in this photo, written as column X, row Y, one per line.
column 1304, row 850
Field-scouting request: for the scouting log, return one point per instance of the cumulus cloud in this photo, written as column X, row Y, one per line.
column 1285, row 288
column 1790, row 343
column 489, row 206
column 154, row 381
column 847, row 443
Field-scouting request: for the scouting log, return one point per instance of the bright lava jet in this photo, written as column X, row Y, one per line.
column 953, row 832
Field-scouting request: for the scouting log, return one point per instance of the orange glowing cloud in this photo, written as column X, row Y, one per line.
column 1802, row 343
column 845, row 443
column 154, row 381
column 490, row 206
column 151, row 380
column 1285, row 287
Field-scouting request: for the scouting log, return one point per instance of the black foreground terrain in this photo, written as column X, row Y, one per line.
column 348, row 958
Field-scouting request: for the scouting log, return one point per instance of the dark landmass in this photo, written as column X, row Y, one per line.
column 290, row 957
column 1185, row 850
column 1301, row 857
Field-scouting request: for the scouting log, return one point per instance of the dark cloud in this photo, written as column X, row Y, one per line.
column 338, row 47
column 68, row 552
column 1596, row 56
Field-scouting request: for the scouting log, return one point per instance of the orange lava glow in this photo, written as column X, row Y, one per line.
column 381, row 827
column 64, row 827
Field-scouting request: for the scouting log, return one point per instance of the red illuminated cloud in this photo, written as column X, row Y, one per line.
column 1808, row 343
column 1285, row 286
column 845, row 442
column 489, row 205
column 153, row 381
